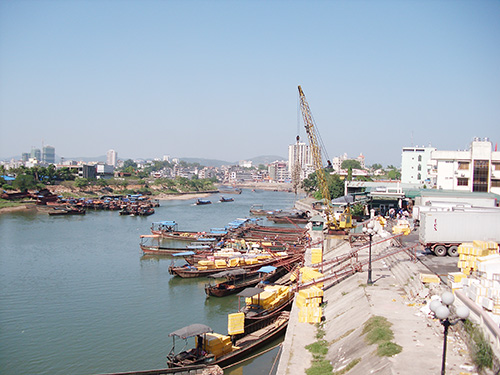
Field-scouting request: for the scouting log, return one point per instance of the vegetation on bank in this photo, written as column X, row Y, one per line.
column 377, row 330
column 480, row 349
column 37, row 178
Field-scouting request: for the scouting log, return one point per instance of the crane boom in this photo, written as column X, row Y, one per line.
column 312, row 132
column 317, row 159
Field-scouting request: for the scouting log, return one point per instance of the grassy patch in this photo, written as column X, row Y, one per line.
column 388, row 349
column 7, row 203
column 319, row 347
column 377, row 330
column 320, row 367
column 481, row 352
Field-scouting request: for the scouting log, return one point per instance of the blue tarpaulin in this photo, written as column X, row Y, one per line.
column 266, row 269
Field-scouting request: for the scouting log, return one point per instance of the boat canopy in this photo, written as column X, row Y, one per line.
column 235, row 272
column 191, row 330
column 167, row 223
column 266, row 269
column 218, row 230
column 250, row 292
column 184, row 254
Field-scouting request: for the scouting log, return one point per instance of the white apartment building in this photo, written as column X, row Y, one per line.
column 111, row 157
column 415, row 165
column 476, row 169
column 300, row 153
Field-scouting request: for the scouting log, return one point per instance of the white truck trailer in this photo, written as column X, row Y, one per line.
column 444, row 231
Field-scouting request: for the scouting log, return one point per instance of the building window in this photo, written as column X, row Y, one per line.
column 481, row 175
column 462, row 181
column 495, row 183
column 419, row 167
column 419, row 157
column 419, row 177
column 496, row 166
column 463, row 165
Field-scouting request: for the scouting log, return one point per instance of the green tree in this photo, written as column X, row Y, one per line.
column 25, row 182
column 81, row 183
column 65, row 174
column 129, row 163
column 377, row 166
column 350, row 163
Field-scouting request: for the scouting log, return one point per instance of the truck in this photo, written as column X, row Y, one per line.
column 443, row 231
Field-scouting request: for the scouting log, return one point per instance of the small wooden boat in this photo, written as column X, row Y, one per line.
column 238, row 346
column 189, row 271
column 238, row 280
column 222, row 199
column 201, row 202
column 66, row 211
column 287, row 218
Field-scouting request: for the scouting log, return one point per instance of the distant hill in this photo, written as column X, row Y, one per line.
column 265, row 159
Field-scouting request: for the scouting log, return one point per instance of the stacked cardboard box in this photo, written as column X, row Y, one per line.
column 316, row 255
column 469, row 252
column 236, row 323
column 272, row 296
column 309, row 301
column 483, row 284
column 217, row 344
column 309, row 274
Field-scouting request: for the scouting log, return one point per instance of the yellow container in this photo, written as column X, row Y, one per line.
column 236, row 323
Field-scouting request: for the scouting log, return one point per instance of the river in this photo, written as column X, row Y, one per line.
column 77, row 295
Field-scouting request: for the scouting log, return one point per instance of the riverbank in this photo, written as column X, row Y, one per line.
column 396, row 295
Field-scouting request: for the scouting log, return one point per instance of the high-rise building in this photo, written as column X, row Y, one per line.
column 49, row 155
column 36, row 154
column 111, row 158
column 299, row 153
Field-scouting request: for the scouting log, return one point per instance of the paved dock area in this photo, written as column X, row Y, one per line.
column 398, row 295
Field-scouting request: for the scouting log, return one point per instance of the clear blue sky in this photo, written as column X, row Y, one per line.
column 218, row 79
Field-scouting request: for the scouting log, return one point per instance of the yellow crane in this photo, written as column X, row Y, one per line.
column 332, row 224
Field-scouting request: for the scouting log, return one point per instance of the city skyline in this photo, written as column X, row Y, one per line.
column 219, row 79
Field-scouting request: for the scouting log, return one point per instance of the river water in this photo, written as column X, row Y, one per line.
column 77, row 295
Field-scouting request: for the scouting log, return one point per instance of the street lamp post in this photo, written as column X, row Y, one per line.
column 369, row 230
column 442, row 312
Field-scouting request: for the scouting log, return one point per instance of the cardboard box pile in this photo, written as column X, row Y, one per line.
column 481, row 281
column 309, row 301
column 236, row 323
column 309, row 274
column 469, row 252
column 217, row 344
column 316, row 255
column 272, row 296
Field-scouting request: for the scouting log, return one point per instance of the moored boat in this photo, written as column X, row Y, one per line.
column 223, row 199
column 201, row 202
column 223, row 350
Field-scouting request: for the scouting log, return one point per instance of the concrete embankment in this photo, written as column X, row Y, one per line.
column 398, row 295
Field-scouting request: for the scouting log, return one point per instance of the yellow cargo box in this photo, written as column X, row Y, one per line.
column 236, row 323
column 429, row 278
column 205, row 263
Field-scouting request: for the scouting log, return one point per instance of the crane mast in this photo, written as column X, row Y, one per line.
column 317, row 160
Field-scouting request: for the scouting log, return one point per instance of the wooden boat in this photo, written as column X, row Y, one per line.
column 189, row 271
column 201, row 202
column 238, row 280
column 222, row 199
column 171, row 250
column 56, row 211
column 258, row 210
column 287, row 218
column 255, row 311
column 240, row 346
column 229, row 190
column 168, row 230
